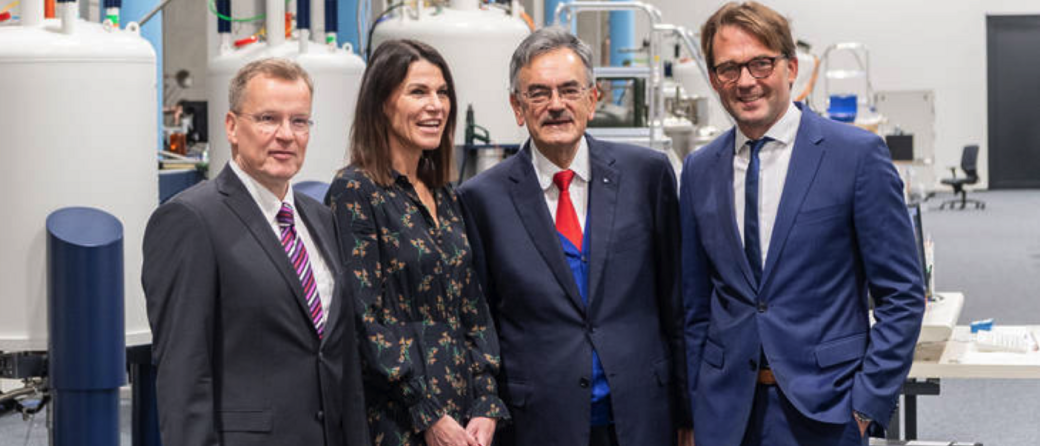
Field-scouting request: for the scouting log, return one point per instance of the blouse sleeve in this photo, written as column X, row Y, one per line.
column 481, row 342
column 389, row 347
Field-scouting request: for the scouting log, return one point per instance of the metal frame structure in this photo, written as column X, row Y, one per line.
column 653, row 73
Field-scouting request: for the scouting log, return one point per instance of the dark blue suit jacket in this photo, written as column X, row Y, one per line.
column 634, row 315
column 842, row 229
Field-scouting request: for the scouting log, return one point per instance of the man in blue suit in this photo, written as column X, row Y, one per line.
column 576, row 244
column 789, row 220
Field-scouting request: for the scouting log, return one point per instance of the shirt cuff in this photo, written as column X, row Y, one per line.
column 489, row 406
column 425, row 412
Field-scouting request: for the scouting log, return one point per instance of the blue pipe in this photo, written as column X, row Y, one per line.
column 303, row 14
column 347, row 16
column 87, row 350
column 224, row 8
column 331, row 16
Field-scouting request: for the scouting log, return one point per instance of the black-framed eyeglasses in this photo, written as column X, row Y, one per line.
column 542, row 95
column 270, row 122
column 759, row 68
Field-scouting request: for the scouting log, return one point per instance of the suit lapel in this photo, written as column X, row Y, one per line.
column 241, row 203
column 321, row 238
column 805, row 160
column 529, row 200
column 603, row 191
column 727, row 215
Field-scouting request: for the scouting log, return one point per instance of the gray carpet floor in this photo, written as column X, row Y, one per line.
column 992, row 256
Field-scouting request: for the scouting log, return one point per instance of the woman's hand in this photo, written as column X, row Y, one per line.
column 448, row 432
column 483, row 429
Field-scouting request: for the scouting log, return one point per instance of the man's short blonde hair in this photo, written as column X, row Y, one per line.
column 273, row 67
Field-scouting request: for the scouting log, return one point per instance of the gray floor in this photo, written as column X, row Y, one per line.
column 993, row 256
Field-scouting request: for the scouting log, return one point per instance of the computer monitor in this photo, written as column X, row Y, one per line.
column 901, row 147
column 915, row 217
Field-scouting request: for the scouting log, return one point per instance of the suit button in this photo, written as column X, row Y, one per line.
column 752, row 365
column 761, row 306
column 320, row 415
column 584, row 383
column 321, row 355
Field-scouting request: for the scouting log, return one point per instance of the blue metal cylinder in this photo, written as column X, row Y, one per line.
column 550, row 11
column 87, row 344
column 348, row 29
column 303, row 14
column 622, row 37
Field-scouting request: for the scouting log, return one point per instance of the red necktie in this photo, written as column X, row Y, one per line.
column 566, row 218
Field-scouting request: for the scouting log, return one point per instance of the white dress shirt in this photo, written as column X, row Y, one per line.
column 269, row 206
column 579, row 187
column 774, row 159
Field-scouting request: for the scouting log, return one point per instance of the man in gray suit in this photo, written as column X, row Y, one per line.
column 252, row 343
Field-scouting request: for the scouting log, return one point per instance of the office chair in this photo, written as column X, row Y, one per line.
column 969, row 164
column 313, row 189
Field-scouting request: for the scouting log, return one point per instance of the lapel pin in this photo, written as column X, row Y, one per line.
column 606, row 180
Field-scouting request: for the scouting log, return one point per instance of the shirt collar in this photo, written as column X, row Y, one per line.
column 545, row 169
column 784, row 131
column 267, row 201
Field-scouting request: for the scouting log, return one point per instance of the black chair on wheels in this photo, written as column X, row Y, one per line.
column 969, row 164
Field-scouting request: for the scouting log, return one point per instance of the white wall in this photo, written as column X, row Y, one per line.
column 914, row 45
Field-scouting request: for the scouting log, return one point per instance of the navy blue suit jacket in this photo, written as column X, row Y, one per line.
column 842, row 229
column 634, row 315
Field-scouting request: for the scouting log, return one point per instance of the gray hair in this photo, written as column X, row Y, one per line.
column 542, row 41
column 277, row 68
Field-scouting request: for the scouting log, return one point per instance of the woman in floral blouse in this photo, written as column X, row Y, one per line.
column 428, row 344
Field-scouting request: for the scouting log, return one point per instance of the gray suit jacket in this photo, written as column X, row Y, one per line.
column 239, row 361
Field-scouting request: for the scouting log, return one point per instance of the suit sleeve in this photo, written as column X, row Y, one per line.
column 697, row 287
column 667, row 251
column 355, row 420
column 180, row 282
column 389, row 350
column 886, row 240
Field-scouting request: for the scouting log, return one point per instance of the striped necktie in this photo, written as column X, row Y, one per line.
column 302, row 265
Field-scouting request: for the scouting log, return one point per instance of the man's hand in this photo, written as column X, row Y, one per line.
column 686, row 437
column 447, row 432
column 482, row 429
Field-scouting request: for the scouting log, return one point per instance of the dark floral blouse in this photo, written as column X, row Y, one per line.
column 427, row 340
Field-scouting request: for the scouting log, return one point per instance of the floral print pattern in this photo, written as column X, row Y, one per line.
column 428, row 346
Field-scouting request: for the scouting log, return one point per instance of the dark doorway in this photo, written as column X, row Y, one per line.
column 1013, row 72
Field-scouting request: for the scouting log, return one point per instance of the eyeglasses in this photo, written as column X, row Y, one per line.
column 270, row 122
column 759, row 68
column 542, row 95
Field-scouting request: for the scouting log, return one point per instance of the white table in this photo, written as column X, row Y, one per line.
column 956, row 357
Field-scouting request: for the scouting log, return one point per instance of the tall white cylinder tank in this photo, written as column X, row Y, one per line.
column 336, row 73
column 477, row 44
column 77, row 122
